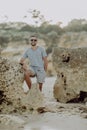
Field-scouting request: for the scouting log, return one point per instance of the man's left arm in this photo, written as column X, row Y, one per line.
column 45, row 62
column 44, row 56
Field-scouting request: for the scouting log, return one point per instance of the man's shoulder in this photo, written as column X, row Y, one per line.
column 29, row 48
column 41, row 47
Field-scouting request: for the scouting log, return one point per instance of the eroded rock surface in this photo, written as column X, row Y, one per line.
column 71, row 69
column 12, row 96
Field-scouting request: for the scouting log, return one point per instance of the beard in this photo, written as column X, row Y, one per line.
column 33, row 44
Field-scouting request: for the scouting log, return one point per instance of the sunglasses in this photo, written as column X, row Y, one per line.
column 34, row 40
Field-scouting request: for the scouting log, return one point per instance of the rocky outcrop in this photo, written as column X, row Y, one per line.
column 12, row 96
column 71, row 69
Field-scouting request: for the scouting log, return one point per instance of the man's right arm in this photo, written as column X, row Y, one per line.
column 22, row 61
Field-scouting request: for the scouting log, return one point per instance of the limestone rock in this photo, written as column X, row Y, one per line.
column 71, row 69
column 12, row 96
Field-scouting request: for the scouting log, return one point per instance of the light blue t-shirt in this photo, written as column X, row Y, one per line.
column 35, row 56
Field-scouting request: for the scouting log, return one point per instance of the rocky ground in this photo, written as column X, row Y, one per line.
column 51, row 116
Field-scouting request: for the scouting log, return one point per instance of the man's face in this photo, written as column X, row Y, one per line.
column 33, row 41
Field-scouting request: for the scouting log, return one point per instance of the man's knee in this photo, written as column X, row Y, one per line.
column 29, row 74
column 26, row 73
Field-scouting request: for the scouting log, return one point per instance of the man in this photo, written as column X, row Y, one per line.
column 38, row 63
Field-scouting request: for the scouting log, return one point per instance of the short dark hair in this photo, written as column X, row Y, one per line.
column 33, row 36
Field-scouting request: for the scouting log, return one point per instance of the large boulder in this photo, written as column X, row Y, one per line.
column 71, row 69
column 12, row 95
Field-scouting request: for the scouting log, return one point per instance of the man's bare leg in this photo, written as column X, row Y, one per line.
column 27, row 79
column 40, row 86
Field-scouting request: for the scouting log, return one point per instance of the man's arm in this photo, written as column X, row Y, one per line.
column 45, row 63
column 22, row 62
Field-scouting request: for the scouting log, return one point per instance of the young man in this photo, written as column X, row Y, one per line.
column 38, row 63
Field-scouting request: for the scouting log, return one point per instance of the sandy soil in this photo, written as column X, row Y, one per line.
column 52, row 116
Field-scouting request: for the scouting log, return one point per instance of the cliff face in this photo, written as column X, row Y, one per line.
column 71, row 69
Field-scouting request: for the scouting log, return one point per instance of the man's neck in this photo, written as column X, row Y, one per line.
column 34, row 47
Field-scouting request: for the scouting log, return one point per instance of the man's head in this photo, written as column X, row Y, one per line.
column 33, row 40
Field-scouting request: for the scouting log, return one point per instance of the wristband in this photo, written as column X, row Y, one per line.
column 21, row 64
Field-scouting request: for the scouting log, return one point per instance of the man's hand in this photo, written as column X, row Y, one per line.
column 25, row 67
column 22, row 61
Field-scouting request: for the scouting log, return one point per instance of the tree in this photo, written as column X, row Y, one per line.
column 37, row 17
column 77, row 25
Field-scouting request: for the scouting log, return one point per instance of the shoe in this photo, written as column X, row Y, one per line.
column 26, row 92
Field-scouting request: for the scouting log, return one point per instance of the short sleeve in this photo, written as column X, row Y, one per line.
column 43, row 51
column 25, row 54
